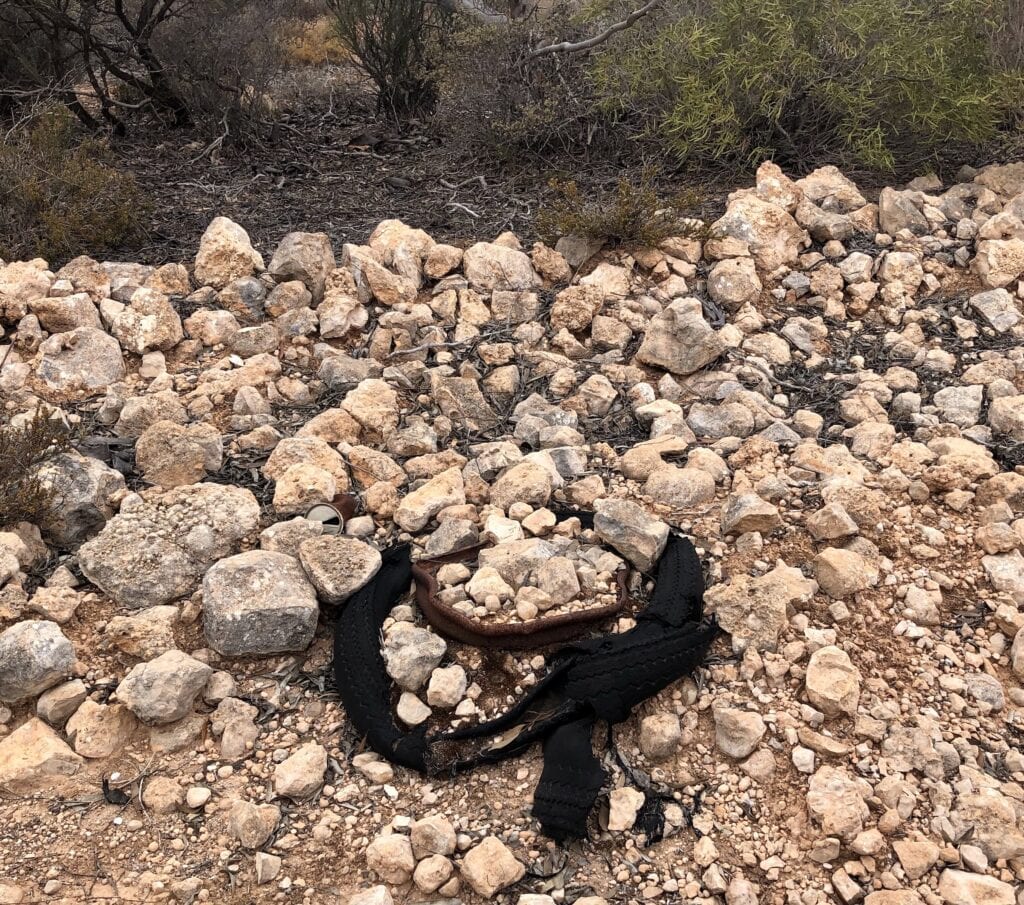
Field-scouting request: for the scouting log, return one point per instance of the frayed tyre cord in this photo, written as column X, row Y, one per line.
column 602, row 678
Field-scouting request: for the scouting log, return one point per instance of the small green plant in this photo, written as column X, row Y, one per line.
column 635, row 213
column 60, row 196
column 24, row 496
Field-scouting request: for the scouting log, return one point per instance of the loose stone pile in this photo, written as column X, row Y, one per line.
column 519, row 579
column 827, row 395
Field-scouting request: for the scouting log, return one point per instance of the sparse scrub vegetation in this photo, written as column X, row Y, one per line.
column 397, row 44
column 634, row 213
column 24, row 496
column 875, row 82
column 59, row 194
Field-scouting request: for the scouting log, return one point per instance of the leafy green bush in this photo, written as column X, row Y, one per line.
column 635, row 213
column 877, row 82
column 60, row 196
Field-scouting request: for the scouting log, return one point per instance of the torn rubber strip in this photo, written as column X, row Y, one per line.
column 602, row 678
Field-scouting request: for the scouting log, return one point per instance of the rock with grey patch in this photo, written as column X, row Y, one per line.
column 34, row 656
column 163, row 690
column 258, row 603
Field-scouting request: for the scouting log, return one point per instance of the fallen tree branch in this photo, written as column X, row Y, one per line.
column 580, row 46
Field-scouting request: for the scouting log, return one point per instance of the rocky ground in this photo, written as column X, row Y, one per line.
column 826, row 394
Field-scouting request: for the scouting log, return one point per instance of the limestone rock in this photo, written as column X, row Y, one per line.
column 21, row 281
column 98, row 730
column 58, row 703
column 411, row 654
column 307, row 257
column 68, row 313
column 86, row 490
column 252, row 824
column 773, row 236
column 156, row 550
column 958, row 887
column 338, row 566
column 897, row 210
column 659, row 735
column 433, row 835
column 624, row 804
column 992, row 815
column 163, row 690
column 738, row 732
column 170, row 454
column 836, row 801
column 526, row 482
column 680, row 340
column 258, row 603
column 234, row 723
column 82, row 359
column 148, row 322
column 1006, row 416
column 34, row 655
column 680, row 488
column 754, row 610
column 489, row 266
column 999, row 261
column 630, row 530
column 734, row 283
column 998, row 309
column 391, row 858
column 375, row 895
column 447, row 687
column 916, row 855
column 419, row 507
column 301, row 775
column 34, row 757
column 490, row 867
column 833, row 682
column 225, row 254
column 843, row 573
column 744, row 512
column 432, row 873
column 146, row 634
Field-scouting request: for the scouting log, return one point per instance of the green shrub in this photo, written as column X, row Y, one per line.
column 24, row 497
column 871, row 81
column 60, row 196
column 635, row 213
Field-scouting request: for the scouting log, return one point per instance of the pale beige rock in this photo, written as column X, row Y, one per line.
column 624, row 804
column 34, row 757
column 99, row 730
column 738, row 732
column 958, row 887
column 418, row 507
column 82, row 359
column 432, row 835
column 225, row 254
column 391, row 858
column 843, row 573
column 252, row 824
column 490, row 866
column 754, row 610
column 489, row 266
column 833, row 682
column 659, row 735
column 301, row 774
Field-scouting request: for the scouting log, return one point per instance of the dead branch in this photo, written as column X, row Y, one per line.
column 580, row 46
